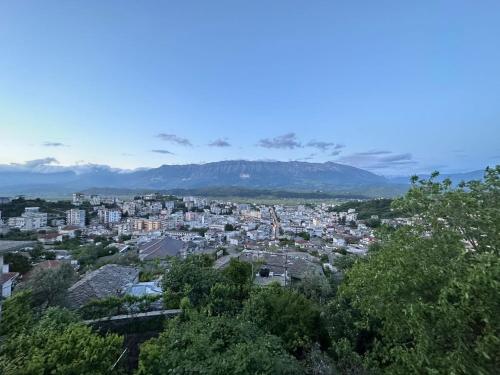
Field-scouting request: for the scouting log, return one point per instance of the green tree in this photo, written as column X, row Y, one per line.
column 59, row 345
column 193, row 278
column 17, row 262
column 426, row 300
column 238, row 272
column 286, row 314
column 49, row 287
column 216, row 345
column 17, row 313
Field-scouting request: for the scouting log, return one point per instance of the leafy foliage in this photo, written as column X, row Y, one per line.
column 49, row 286
column 192, row 278
column 286, row 314
column 426, row 301
column 217, row 345
column 366, row 209
column 17, row 262
column 59, row 345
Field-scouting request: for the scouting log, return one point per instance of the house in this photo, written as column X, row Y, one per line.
column 6, row 277
column 162, row 248
column 109, row 280
column 50, row 238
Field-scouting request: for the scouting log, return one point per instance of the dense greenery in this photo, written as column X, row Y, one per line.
column 215, row 345
column 425, row 301
column 16, row 206
column 58, row 344
column 16, row 234
column 17, row 262
column 368, row 208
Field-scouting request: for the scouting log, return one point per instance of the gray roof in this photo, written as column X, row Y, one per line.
column 161, row 248
column 6, row 246
column 109, row 280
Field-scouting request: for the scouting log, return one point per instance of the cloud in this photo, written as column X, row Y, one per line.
column 335, row 153
column 163, row 152
column 39, row 162
column 373, row 153
column 53, row 144
column 378, row 159
column 306, row 158
column 220, row 142
column 285, row 141
column 172, row 138
column 324, row 146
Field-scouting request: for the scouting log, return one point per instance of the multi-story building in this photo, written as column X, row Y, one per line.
column 78, row 198
column 95, row 200
column 75, row 217
column 109, row 216
column 31, row 219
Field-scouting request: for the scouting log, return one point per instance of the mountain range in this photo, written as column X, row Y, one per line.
column 292, row 176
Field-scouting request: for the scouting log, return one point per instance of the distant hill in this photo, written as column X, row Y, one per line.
column 248, row 174
column 290, row 176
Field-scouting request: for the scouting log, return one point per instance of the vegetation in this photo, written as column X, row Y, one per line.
column 215, row 345
column 17, row 262
column 58, row 344
column 368, row 208
column 16, row 206
column 16, row 234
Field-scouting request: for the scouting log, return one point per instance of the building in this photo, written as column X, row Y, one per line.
column 107, row 281
column 31, row 219
column 162, row 248
column 6, row 277
column 109, row 216
column 75, row 217
column 95, row 200
column 78, row 199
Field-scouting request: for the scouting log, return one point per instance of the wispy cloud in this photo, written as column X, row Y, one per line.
column 285, row 141
column 324, row 146
column 53, row 144
column 39, row 162
column 159, row 151
column 172, row 138
column 378, row 159
column 306, row 158
column 220, row 142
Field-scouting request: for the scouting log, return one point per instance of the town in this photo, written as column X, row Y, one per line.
column 288, row 243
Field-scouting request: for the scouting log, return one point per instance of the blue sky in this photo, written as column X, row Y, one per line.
column 396, row 87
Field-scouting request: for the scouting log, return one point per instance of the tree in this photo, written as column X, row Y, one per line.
column 423, row 302
column 315, row 287
column 193, row 278
column 306, row 236
column 216, row 345
column 238, row 272
column 49, row 287
column 59, row 345
column 228, row 228
column 286, row 314
column 17, row 313
column 17, row 262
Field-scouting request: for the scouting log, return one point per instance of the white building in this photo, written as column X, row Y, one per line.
column 109, row 216
column 75, row 217
column 31, row 219
column 78, row 198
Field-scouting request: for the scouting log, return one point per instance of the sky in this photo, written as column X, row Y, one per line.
column 394, row 87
